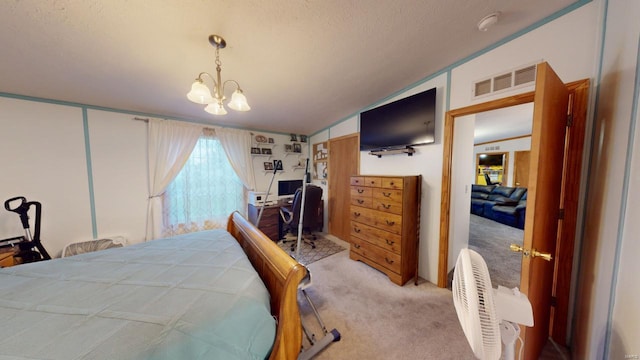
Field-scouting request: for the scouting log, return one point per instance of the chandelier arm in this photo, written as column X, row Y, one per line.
column 217, row 91
column 233, row 81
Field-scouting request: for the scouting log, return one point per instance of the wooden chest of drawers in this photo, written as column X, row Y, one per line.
column 385, row 222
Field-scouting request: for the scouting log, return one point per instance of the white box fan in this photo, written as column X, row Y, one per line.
column 487, row 314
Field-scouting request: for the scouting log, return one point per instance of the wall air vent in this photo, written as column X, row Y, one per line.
column 483, row 87
column 515, row 78
column 524, row 75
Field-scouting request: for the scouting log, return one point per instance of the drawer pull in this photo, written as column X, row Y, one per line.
column 391, row 183
column 372, row 182
column 356, row 246
column 390, row 223
column 388, row 261
column 360, row 201
column 356, row 230
column 389, row 242
column 386, row 194
column 356, row 214
column 386, row 206
column 360, row 191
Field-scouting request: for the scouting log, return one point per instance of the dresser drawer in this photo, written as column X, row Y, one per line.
column 391, row 207
column 380, row 256
column 384, row 239
column 357, row 180
column 392, row 183
column 372, row 181
column 387, row 194
column 378, row 219
column 364, row 201
column 361, row 191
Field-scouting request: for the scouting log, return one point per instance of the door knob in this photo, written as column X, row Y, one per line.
column 534, row 253
column 545, row 256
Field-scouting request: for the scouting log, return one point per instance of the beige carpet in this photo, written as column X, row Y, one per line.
column 378, row 319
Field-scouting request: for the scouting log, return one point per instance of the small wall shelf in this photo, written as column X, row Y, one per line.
column 320, row 160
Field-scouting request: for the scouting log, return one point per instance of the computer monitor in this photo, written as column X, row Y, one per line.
column 287, row 188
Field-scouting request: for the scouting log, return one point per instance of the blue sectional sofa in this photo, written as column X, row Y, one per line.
column 504, row 204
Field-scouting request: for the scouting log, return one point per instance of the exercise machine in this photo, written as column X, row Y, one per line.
column 328, row 336
column 30, row 248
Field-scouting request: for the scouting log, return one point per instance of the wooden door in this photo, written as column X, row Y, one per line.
column 521, row 168
column 543, row 202
column 344, row 161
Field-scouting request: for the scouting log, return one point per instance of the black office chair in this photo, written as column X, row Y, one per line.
column 487, row 179
column 291, row 215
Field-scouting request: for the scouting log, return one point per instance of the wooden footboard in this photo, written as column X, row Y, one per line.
column 281, row 274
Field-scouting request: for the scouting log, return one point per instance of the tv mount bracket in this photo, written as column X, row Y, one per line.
column 379, row 153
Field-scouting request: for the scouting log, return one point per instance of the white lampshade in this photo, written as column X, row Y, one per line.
column 239, row 101
column 200, row 93
column 215, row 109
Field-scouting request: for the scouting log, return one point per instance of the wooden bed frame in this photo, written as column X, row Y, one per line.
column 281, row 274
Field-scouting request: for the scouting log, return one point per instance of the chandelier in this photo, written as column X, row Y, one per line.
column 200, row 93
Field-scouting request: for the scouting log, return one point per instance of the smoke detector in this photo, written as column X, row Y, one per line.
column 488, row 20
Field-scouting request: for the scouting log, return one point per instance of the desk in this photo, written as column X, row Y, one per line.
column 271, row 222
column 6, row 257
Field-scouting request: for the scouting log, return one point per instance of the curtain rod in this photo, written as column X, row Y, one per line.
column 147, row 120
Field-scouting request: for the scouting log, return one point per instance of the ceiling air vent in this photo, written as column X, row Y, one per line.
column 504, row 81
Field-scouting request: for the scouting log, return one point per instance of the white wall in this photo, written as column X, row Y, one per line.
column 604, row 232
column 290, row 162
column 462, row 176
column 568, row 44
column 42, row 152
column 426, row 161
column 119, row 167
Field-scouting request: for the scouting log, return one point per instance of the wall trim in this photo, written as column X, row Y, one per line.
column 87, row 149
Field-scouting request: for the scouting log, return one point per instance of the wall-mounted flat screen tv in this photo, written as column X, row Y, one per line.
column 405, row 122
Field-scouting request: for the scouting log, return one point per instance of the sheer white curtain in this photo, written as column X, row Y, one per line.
column 204, row 193
column 169, row 145
column 237, row 146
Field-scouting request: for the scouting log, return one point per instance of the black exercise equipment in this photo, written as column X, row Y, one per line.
column 30, row 247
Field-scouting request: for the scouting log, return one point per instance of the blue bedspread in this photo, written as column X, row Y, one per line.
column 193, row 296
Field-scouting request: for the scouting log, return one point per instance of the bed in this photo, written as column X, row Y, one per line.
column 208, row 295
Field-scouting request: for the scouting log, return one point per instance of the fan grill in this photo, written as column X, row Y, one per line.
column 473, row 300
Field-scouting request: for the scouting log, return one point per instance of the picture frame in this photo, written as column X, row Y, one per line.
column 271, row 141
column 268, row 165
column 278, row 164
column 256, row 150
column 294, row 137
column 288, row 148
column 266, row 151
column 303, row 138
column 297, row 148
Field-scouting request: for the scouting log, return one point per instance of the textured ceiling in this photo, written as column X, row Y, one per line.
column 303, row 65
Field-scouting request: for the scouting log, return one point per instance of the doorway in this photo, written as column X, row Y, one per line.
column 576, row 95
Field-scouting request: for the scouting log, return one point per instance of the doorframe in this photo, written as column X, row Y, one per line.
column 578, row 105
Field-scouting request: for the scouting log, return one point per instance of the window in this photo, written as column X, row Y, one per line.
column 204, row 193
